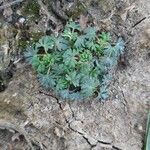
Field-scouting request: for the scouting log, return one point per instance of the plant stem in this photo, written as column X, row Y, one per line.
column 49, row 68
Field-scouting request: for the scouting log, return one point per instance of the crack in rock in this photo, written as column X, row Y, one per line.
column 138, row 22
column 92, row 142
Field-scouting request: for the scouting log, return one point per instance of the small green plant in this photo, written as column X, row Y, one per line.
column 76, row 63
column 147, row 137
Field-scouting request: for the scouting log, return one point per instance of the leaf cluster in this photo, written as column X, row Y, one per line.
column 75, row 63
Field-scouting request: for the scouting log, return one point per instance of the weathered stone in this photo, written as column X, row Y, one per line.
column 115, row 124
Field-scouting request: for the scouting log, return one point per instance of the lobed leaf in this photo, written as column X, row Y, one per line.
column 61, row 43
column 46, row 42
column 80, row 41
column 29, row 53
column 69, row 58
column 90, row 33
column 74, row 26
column 46, row 81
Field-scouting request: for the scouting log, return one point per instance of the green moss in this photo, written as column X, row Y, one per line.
column 22, row 44
column 31, row 9
column 76, row 11
column 34, row 37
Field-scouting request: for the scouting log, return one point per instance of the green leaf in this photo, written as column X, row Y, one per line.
column 59, row 70
column 95, row 72
column 85, row 68
column 147, row 137
column 103, row 95
column 90, row 33
column 74, row 26
column 46, row 81
column 62, row 84
column 103, row 42
column 110, row 51
column 86, row 56
column 108, row 62
column 148, row 140
column 73, row 78
column 48, row 59
column 119, row 47
column 35, row 62
column 72, row 36
column 105, row 37
column 92, row 46
column 46, row 42
column 88, row 86
column 75, row 96
column 29, row 53
column 64, row 94
column 148, row 123
column 41, row 68
column 69, row 57
column 61, row 43
column 80, row 41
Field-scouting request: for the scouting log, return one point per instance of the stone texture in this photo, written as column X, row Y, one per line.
column 118, row 123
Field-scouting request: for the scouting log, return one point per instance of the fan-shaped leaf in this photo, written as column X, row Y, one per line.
column 80, row 41
column 90, row 33
column 46, row 81
column 46, row 42
column 29, row 53
column 61, row 43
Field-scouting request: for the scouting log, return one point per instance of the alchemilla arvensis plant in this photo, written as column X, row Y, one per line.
column 76, row 63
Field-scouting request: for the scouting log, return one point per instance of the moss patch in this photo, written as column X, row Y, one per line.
column 34, row 37
column 31, row 10
column 76, row 10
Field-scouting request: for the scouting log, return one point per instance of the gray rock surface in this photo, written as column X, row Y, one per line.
column 117, row 124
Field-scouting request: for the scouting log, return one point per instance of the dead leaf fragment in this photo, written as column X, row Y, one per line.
column 83, row 21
